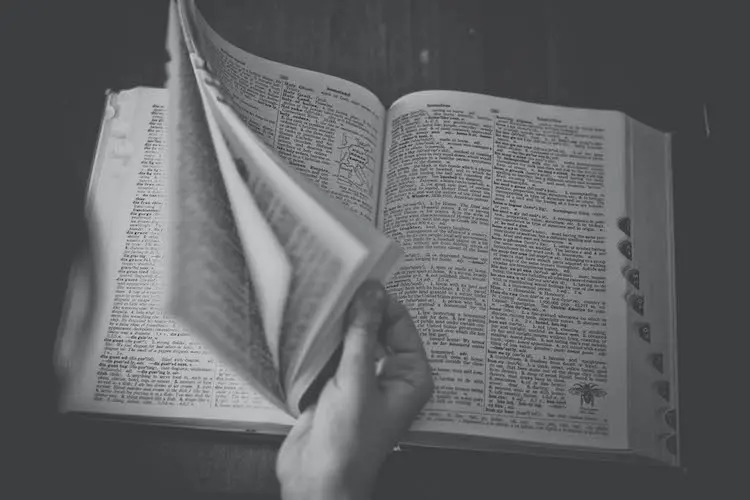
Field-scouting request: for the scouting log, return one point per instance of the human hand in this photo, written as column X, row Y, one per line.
column 336, row 447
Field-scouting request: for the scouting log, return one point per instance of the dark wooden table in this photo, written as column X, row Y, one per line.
column 649, row 62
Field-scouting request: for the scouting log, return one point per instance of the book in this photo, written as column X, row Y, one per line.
column 533, row 247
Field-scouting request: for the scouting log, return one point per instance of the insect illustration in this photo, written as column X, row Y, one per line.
column 588, row 392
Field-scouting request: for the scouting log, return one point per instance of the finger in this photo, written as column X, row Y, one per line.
column 405, row 376
column 380, row 349
column 394, row 311
column 407, row 385
column 364, row 317
column 408, row 375
column 304, row 423
column 299, row 430
column 401, row 335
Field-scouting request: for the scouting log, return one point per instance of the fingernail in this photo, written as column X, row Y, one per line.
column 368, row 304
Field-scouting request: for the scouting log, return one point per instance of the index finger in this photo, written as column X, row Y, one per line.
column 401, row 335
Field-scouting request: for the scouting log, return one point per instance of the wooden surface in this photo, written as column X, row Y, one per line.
column 645, row 62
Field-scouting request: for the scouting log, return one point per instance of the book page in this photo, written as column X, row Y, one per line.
column 328, row 129
column 332, row 248
column 210, row 287
column 319, row 269
column 138, row 361
column 505, row 211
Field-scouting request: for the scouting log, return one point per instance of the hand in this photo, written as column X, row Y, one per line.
column 336, row 447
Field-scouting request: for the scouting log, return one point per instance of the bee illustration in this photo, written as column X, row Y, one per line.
column 588, row 392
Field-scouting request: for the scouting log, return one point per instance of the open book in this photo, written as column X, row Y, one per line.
column 537, row 255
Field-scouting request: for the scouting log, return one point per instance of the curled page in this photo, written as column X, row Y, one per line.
column 320, row 211
column 212, row 290
column 266, row 260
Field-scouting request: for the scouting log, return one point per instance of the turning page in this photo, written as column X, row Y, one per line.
column 211, row 287
column 507, row 214
column 330, row 248
column 330, row 130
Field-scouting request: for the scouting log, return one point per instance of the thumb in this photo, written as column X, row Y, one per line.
column 362, row 323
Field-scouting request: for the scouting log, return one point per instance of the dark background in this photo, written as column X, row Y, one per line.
column 662, row 64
